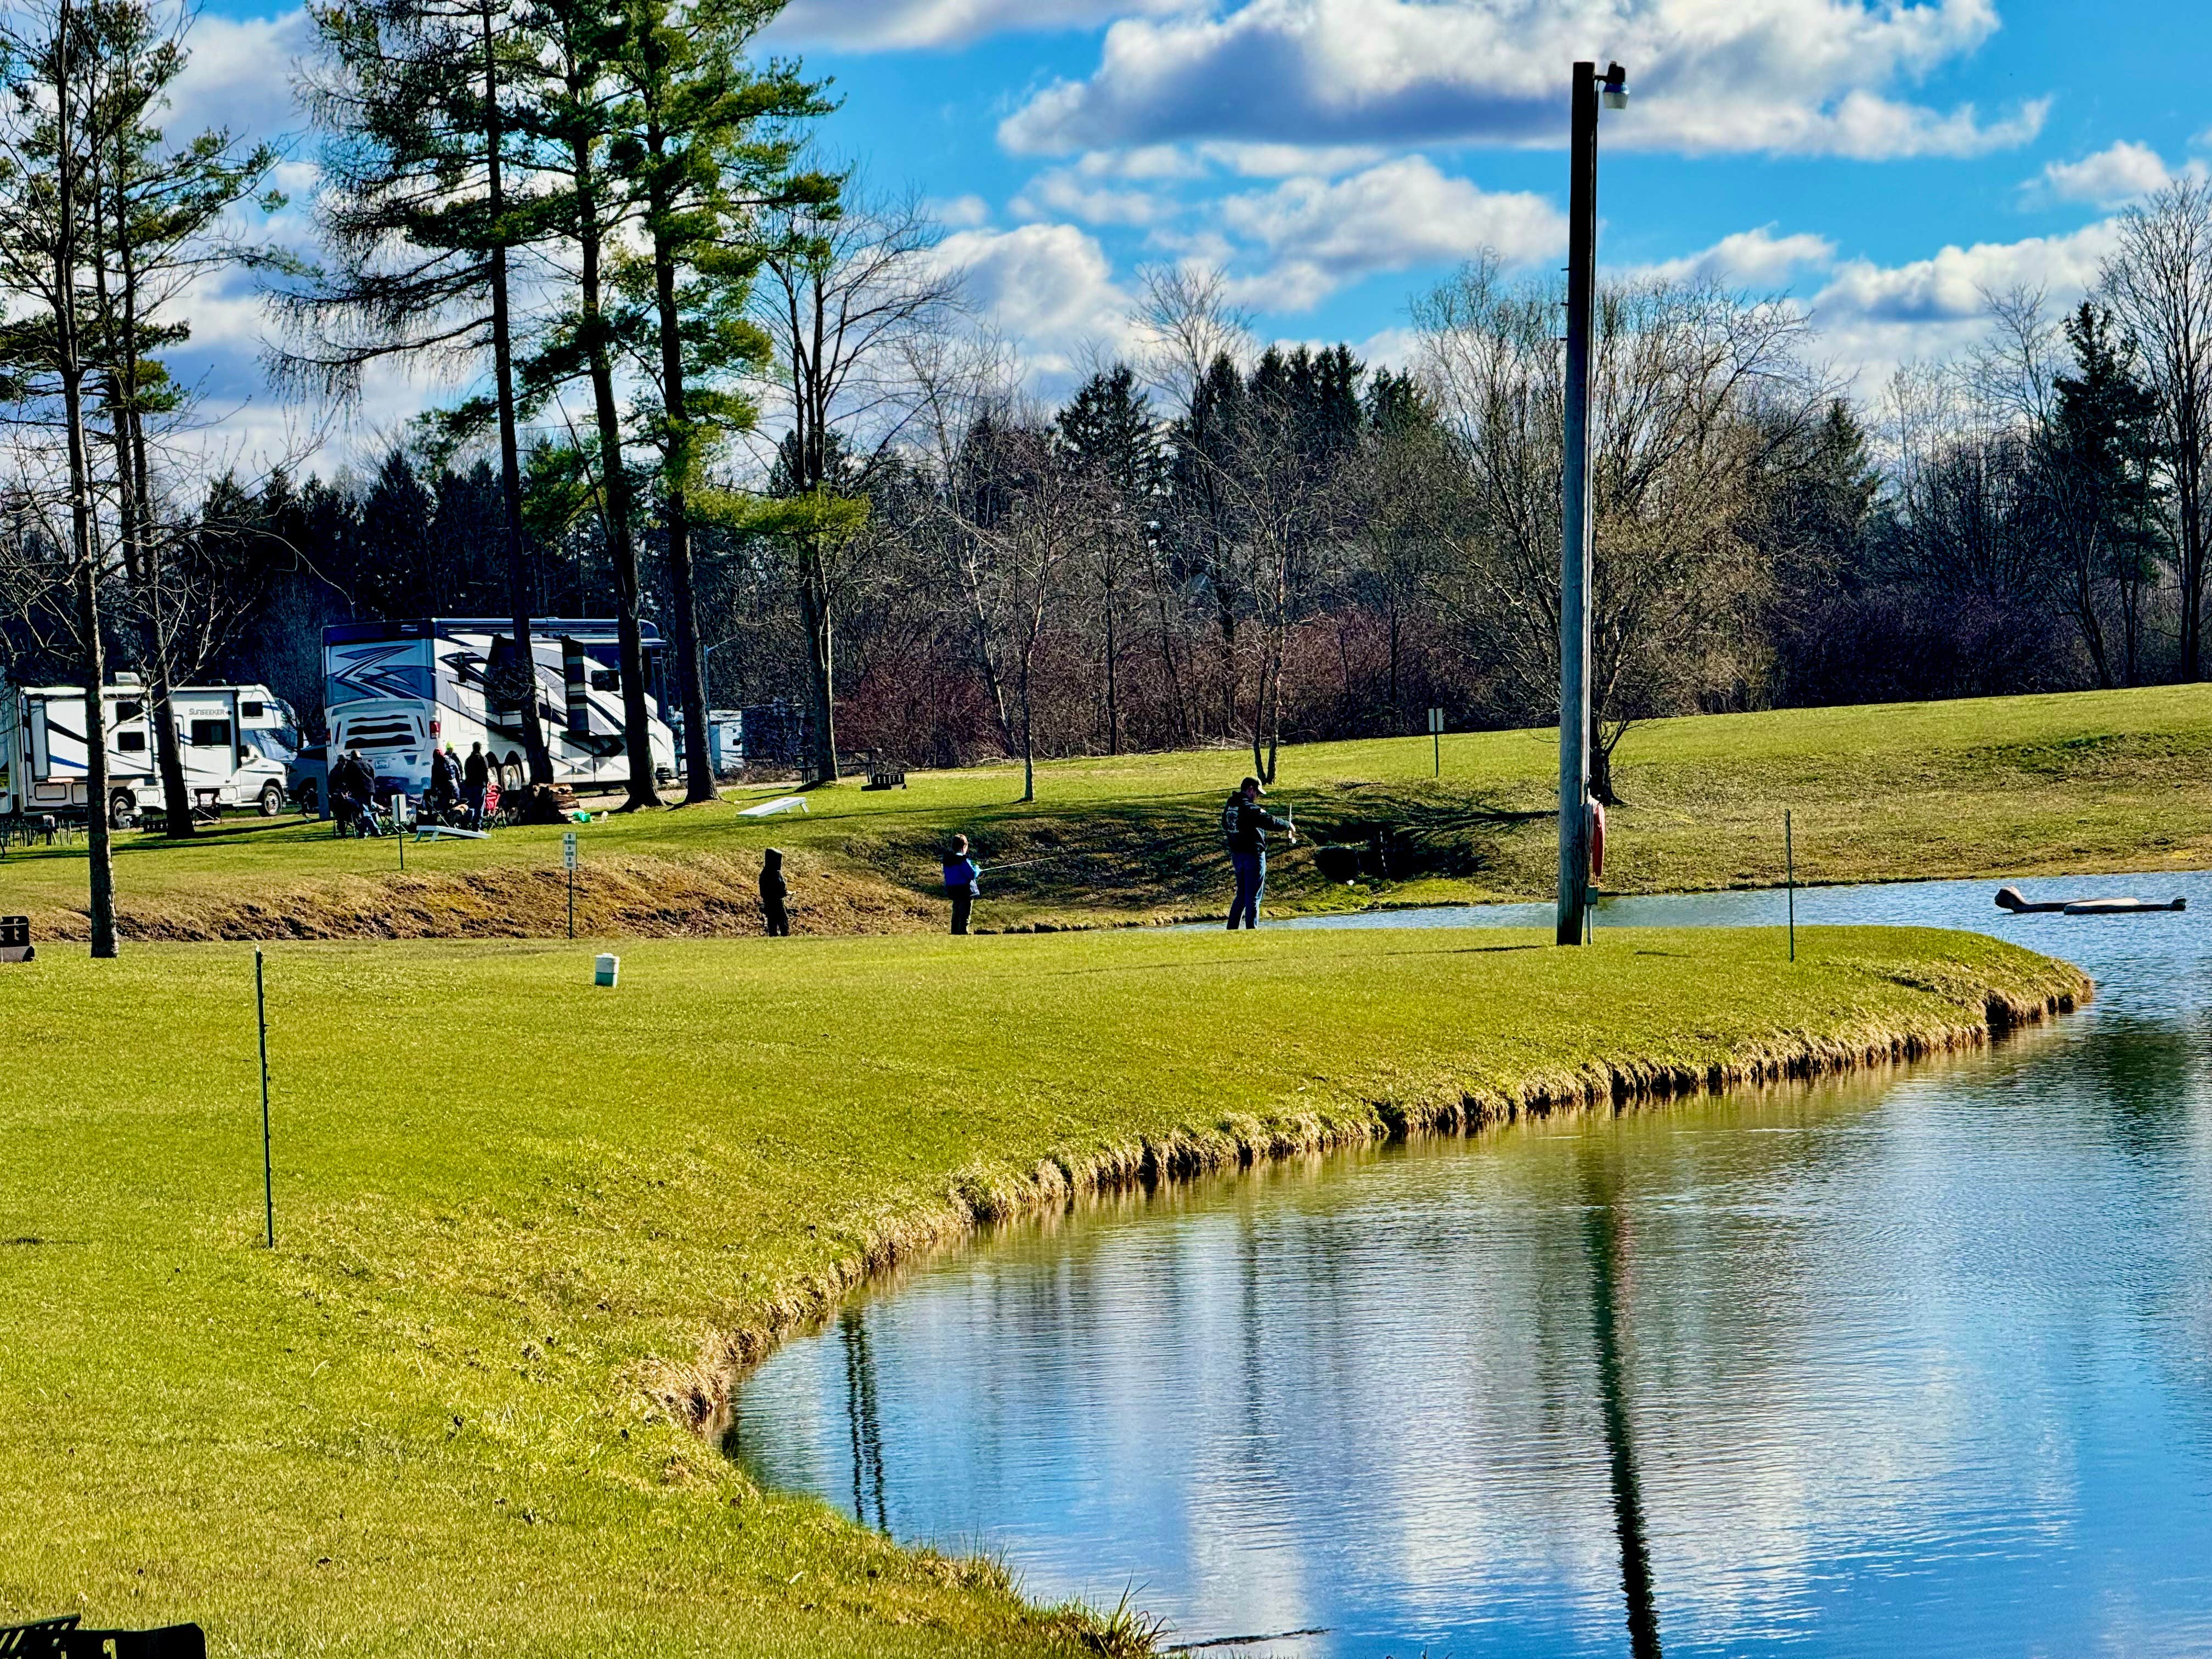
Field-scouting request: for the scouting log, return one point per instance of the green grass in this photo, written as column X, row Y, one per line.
column 1995, row 787
column 517, row 1216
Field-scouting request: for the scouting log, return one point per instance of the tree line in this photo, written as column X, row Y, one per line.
column 708, row 380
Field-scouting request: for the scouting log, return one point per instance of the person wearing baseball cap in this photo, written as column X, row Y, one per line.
column 1244, row 826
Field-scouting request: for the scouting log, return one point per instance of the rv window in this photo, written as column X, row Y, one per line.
column 606, row 679
column 210, row 734
column 131, row 743
column 129, row 711
column 250, row 711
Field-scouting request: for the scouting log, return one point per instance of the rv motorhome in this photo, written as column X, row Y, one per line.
column 234, row 740
column 399, row 691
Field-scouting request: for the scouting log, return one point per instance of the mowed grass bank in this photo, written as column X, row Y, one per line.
column 1999, row 788
column 525, row 1228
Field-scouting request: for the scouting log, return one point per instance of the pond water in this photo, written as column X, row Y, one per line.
column 1915, row 1363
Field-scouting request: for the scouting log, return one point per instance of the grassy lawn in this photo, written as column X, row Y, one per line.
column 1995, row 787
column 519, row 1221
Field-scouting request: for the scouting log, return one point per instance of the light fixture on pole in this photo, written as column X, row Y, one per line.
column 1575, row 539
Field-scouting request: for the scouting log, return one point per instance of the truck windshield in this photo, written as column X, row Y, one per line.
column 272, row 745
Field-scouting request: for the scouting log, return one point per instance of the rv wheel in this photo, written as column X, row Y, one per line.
column 122, row 809
column 272, row 799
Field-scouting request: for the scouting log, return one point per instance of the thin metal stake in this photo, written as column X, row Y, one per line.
column 572, row 901
column 1789, row 868
column 268, row 1174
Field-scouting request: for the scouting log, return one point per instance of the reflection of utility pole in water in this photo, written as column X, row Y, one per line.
column 866, row 1424
column 1605, row 1240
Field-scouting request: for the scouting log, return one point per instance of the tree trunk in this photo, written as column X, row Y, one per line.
column 100, row 861
column 698, row 768
column 1113, row 697
column 1028, row 750
column 614, row 492
column 1177, row 709
column 142, row 558
column 523, row 665
column 821, row 665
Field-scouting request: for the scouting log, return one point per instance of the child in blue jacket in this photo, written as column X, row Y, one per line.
column 961, row 875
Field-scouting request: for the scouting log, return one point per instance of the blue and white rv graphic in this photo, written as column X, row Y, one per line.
column 233, row 744
column 397, row 690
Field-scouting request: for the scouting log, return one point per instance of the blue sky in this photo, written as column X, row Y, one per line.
column 1882, row 161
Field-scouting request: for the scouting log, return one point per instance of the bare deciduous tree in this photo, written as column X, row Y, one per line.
column 2159, row 282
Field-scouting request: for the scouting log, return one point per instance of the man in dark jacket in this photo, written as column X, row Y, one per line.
column 353, row 794
column 1244, row 824
column 445, row 780
column 476, row 773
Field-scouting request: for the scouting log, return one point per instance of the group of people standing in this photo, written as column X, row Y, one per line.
column 460, row 790
column 1244, row 827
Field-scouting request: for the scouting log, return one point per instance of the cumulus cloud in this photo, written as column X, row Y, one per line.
column 1748, row 259
column 1087, row 192
column 1048, row 288
column 240, row 77
column 1804, row 76
column 1323, row 234
column 893, row 25
column 1873, row 318
column 2121, row 173
column 960, row 212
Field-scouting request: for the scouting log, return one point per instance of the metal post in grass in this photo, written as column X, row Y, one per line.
column 1789, row 876
column 1436, row 738
column 1575, row 539
column 268, row 1172
column 568, row 858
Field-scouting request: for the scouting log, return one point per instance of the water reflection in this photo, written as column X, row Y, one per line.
column 1915, row 1363
column 1606, row 1239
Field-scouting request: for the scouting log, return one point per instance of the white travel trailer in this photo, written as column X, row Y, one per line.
column 398, row 690
column 234, row 740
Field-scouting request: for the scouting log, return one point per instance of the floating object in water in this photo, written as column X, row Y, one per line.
column 2008, row 899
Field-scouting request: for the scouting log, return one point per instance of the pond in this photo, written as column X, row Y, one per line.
column 1913, row 1362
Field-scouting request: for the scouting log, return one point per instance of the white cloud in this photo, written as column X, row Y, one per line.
column 1402, row 213
column 1870, row 318
column 1049, row 287
column 893, row 25
column 960, row 212
column 1748, row 259
column 1283, row 161
column 1076, row 192
column 240, row 77
column 1793, row 75
column 2120, row 173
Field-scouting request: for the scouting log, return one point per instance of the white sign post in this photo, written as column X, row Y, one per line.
column 1437, row 737
column 568, row 860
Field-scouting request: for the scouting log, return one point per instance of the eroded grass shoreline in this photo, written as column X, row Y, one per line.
column 702, row 1393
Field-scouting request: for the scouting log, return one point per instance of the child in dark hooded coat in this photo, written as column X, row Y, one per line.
column 774, row 891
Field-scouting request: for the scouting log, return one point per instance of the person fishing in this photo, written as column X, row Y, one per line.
column 1244, row 826
column 962, row 877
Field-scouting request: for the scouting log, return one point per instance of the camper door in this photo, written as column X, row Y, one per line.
column 207, row 738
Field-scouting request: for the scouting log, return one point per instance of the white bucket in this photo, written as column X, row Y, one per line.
column 606, row 969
